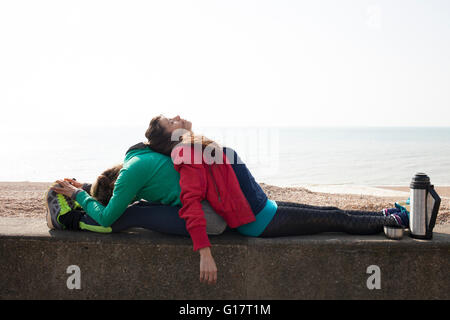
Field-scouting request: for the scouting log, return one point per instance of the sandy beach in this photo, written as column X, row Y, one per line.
column 26, row 199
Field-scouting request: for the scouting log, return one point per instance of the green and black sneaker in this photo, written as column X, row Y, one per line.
column 58, row 205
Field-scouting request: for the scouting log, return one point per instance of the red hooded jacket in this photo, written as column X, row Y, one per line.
column 214, row 182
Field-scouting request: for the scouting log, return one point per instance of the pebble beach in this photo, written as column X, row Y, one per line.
column 26, row 199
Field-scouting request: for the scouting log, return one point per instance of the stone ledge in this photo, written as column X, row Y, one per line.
column 141, row 264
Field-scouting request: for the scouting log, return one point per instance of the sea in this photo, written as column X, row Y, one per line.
column 281, row 156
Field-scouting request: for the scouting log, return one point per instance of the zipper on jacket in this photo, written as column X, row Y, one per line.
column 214, row 180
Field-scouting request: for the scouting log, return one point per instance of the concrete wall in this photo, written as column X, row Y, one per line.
column 147, row 265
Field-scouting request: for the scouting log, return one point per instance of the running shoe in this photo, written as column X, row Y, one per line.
column 402, row 218
column 388, row 212
column 58, row 205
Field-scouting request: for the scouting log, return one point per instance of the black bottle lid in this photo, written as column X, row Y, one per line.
column 420, row 181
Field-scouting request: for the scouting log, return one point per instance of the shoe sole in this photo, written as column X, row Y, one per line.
column 48, row 217
column 50, row 224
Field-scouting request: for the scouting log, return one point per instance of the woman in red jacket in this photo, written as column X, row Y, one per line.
column 206, row 172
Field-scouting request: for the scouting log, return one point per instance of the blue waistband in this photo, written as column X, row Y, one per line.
column 255, row 228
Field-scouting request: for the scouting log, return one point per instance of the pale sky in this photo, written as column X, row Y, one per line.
column 255, row 63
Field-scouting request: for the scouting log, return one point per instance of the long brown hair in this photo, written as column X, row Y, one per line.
column 102, row 189
column 160, row 140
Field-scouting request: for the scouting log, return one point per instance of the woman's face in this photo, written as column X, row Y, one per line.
column 172, row 124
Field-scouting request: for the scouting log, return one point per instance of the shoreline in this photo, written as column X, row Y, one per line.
column 381, row 191
column 26, row 199
column 356, row 190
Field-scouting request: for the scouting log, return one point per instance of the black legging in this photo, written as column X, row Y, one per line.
column 292, row 219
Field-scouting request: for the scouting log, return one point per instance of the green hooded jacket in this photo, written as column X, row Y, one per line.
column 145, row 175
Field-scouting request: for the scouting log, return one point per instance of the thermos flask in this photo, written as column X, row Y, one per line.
column 424, row 207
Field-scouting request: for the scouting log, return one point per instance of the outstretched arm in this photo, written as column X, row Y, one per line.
column 193, row 188
column 128, row 184
column 193, row 185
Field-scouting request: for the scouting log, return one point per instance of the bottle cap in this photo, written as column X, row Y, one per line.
column 420, row 181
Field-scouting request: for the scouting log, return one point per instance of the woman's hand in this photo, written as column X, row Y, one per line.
column 74, row 182
column 65, row 188
column 208, row 269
